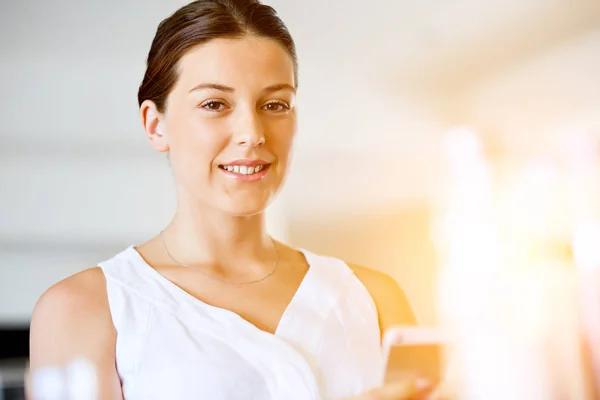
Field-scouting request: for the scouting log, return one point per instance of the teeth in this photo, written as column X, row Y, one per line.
column 243, row 169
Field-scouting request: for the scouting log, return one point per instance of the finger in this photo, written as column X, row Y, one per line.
column 400, row 390
column 440, row 393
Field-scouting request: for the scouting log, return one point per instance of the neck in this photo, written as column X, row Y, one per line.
column 205, row 236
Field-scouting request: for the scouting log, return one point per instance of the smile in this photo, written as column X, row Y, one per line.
column 244, row 169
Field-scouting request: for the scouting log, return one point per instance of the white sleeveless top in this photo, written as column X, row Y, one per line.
column 170, row 345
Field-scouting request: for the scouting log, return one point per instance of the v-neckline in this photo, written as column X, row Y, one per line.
column 299, row 295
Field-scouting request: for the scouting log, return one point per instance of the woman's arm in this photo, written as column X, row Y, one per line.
column 393, row 308
column 392, row 304
column 71, row 320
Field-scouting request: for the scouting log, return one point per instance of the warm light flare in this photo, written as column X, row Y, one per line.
column 512, row 320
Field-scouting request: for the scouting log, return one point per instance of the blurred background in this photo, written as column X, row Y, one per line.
column 381, row 82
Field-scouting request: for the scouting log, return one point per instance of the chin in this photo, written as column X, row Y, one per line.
column 247, row 209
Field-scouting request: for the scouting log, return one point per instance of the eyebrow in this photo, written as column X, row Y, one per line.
column 280, row 86
column 223, row 88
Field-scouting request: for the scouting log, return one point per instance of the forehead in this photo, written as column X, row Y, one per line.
column 244, row 62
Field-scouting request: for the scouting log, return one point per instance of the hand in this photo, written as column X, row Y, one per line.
column 411, row 388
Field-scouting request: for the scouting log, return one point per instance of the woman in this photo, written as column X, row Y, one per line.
column 212, row 307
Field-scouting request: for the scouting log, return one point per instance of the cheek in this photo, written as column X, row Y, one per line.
column 283, row 138
column 196, row 144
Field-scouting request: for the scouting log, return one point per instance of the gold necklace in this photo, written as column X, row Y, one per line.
column 219, row 279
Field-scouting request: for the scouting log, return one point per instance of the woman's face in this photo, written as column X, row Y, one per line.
column 229, row 123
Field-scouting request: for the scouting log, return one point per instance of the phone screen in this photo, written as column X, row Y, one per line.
column 423, row 360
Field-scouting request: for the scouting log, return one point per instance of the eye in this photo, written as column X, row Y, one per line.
column 213, row 106
column 276, row 106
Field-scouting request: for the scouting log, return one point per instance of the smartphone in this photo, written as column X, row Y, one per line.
column 413, row 351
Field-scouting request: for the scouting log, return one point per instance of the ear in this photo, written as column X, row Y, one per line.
column 153, row 124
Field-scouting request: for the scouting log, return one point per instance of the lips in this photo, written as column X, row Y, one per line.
column 244, row 169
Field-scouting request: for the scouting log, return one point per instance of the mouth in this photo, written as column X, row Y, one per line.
column 245, row 169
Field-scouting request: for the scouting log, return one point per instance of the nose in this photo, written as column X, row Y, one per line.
column 250, row 131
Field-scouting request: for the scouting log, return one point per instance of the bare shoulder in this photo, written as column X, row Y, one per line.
column 67, row 314
column 392, row 304
column 78, row 296
column 72, row 320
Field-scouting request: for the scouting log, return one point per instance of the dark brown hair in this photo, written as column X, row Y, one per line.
column 197, row 23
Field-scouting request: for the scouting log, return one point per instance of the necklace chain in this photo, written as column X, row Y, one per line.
column 219, row 279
